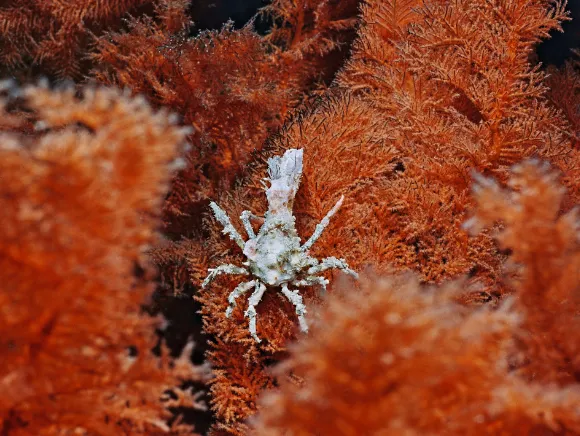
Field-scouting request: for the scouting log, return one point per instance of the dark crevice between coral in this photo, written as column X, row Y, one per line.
column 201, row 420
column 213, row 14
column 184, row 323
column 13, row 422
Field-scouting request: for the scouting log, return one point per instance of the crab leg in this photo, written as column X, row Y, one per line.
column 322, row 225
column 309, row 281
column 229, row 229
column 241, row 289
column 251, row 312
column 332, row 262
column 246, row 216
column 223, row 269
column 296, row 300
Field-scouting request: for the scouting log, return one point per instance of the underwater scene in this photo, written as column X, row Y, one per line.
column 289, row 217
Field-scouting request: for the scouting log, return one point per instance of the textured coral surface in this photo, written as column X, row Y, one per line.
column 80, row 202
column 457, row 153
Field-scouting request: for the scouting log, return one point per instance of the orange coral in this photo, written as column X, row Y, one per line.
column 234, row 87
column 564, row 94
column 431, row 90
column 395, row 358
column 79, row 206
column 53, row 36
column 399, row 136
column 546, row 245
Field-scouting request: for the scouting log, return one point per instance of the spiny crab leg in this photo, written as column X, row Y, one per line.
column 229, row 229
column 251, row 312
column 223, row 269
column 246, row 216
column 322, row 225
column 241, row 289
column 309, row 281
column 332, row 262
column 296, row 300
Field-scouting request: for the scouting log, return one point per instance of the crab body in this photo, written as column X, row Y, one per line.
column 275, row 256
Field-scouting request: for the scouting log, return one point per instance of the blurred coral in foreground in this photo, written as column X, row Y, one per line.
column 395, row 357
column 79, row 204
column 545, row 263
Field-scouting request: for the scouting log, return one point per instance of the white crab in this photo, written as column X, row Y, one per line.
column 275, row 255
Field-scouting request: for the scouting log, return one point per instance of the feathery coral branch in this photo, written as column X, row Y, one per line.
column 79, row 204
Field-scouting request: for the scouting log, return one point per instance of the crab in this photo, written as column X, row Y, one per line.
column 275, row 256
